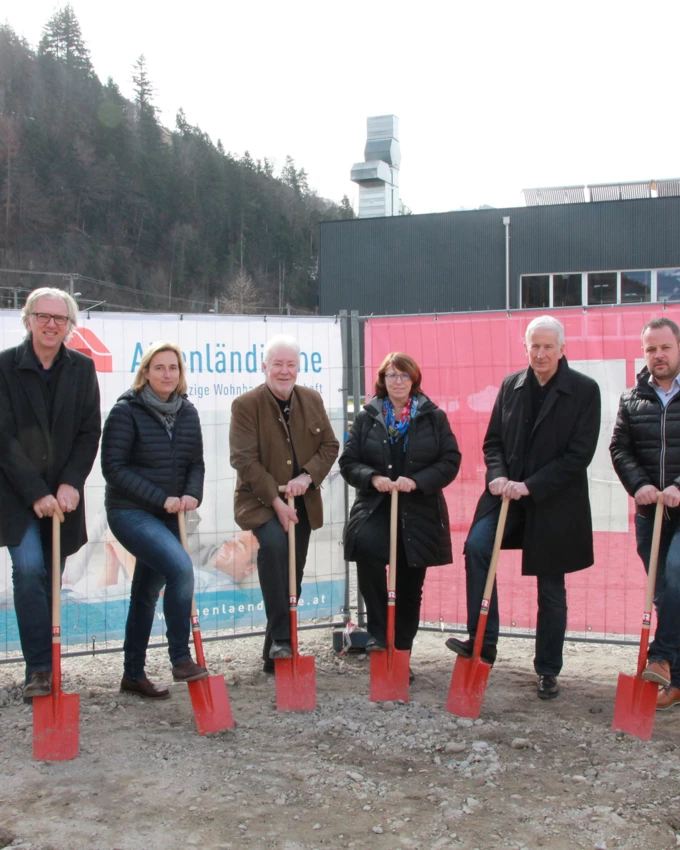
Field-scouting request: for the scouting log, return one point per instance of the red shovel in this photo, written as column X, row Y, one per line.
column 55, row 717
column 209, row 697
column 389, row 669
column 296, row 676
column 635, row 705
column 470, row 675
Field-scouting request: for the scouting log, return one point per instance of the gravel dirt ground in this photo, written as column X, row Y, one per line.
column 528, row 774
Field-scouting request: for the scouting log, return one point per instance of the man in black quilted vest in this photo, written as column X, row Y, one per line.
column 645, row 450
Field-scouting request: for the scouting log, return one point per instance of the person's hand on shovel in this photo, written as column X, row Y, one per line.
column 284, row 514
column 46, row 507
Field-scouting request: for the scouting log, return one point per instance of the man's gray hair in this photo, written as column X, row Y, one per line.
column 70, row 307
column 545, row 323
column 281, row 341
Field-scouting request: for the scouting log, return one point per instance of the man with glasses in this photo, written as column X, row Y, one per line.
column 49, row 427
column 541, row 438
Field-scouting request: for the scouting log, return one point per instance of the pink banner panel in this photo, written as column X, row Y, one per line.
column 464, row 358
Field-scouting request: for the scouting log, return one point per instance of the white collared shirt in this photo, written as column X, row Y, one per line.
column 666, row 396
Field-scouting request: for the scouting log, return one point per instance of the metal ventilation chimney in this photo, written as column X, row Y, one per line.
column 378, row 176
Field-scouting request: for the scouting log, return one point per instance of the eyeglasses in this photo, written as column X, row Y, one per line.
column 397, row 376
column 44, row 319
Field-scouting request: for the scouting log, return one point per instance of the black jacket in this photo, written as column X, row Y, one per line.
column 142, row 465
column 432, row 461
column 552, row 459
column 645, row 446
column 38, row 454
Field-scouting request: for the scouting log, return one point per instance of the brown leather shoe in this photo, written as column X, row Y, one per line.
column 187, row 671
column 658, row 672
column 667, row 698
column 39, row 685
column 143, row 688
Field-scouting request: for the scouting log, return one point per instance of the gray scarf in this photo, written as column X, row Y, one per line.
column 164, row 411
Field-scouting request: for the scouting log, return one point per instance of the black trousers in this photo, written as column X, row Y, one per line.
column 373, row 544
column 272, row 569
column 551, row 623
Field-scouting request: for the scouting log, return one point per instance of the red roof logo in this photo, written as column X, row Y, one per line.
column 84, row 340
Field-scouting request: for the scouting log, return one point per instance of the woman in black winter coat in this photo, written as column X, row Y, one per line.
column 152, row 460
column 399, row 440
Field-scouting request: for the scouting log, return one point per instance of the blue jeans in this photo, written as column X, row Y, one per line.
column 666, row 643
column 551, row 622
column 32, row 579
column 160, row 560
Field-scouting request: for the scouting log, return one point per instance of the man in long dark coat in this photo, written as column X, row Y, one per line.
column 49, row 427
column 541, row 437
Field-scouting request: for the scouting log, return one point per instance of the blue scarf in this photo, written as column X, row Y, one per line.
column 398, row 428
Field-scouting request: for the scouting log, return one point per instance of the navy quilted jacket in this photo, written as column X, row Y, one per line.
column 142, row 465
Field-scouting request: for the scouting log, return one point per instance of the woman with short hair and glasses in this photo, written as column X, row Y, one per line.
column 152, row 460
column 401, row 440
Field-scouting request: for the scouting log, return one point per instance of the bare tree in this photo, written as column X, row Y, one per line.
column 242, row 297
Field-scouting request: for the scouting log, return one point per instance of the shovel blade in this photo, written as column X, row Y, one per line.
column 55, row 727
column 295, row 683
column 389, row 675
column 635, row 706
column 468, row 686
column 210, row 702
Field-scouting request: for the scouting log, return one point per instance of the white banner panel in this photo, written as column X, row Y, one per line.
column 223, row 357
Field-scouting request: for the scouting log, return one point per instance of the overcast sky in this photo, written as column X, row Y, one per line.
column 492, row 97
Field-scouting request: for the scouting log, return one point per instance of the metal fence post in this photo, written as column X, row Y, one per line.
column 357, row 400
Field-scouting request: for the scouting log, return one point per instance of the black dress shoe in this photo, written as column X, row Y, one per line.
column 281, row 649
column 39, row 685
column 464, row 649
column 374, row 644
column 143, row 688
column 547, row 687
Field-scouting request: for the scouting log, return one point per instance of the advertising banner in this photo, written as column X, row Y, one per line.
column 223, row 357
column 464, row 358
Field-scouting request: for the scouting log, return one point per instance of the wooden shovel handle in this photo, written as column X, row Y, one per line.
column 500, row 528
column 56, row 573
column 394, row 518
column 292, row 584
column 181, row 521
column 654, row 554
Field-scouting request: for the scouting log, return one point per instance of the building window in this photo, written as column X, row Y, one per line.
column 567, row 290
column 636, row 286
column 602, row 288
column 668, row 285
column 535, row 291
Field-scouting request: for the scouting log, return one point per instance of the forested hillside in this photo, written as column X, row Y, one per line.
column 144, row 216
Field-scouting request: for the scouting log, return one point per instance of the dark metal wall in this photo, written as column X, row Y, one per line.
column 450, row 262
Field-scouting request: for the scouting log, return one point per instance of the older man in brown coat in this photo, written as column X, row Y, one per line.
column 280, row 435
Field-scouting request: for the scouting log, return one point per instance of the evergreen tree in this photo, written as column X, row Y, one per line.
column 63, row 40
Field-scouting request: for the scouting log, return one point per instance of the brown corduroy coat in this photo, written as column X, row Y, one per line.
column 262, row 454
